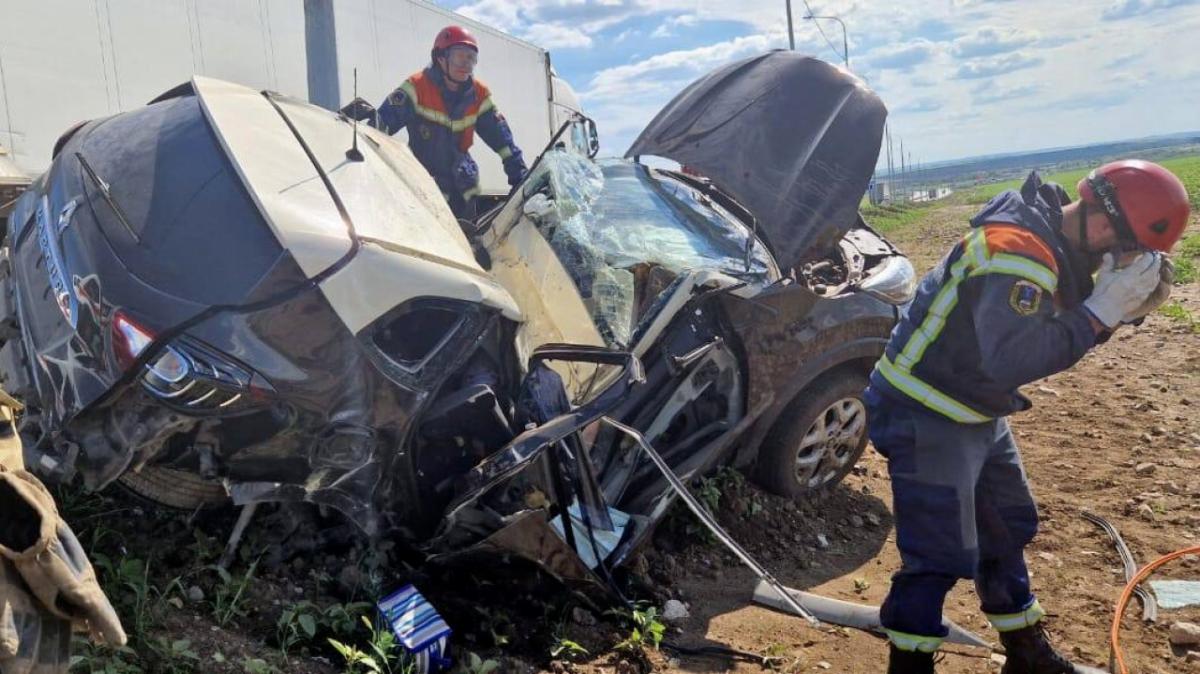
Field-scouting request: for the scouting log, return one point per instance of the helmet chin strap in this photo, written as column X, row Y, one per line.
column 446, row 72
column 1083, row 233
column 1094, row 257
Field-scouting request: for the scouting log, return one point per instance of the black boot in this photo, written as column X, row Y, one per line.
column 1028, row 651
column 909, row 662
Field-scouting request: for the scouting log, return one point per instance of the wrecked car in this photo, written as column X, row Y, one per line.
column 233, row 295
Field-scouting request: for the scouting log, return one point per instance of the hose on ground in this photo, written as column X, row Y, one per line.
column 1117, row 658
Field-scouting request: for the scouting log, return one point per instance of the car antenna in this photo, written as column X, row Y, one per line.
column 353, row 154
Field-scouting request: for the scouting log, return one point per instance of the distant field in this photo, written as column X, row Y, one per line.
column 1187, row 168
column 887, row 217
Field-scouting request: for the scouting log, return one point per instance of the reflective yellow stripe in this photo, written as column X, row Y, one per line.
column 974, row 261
column 1009, row 622
column 1016, row 265
column 486, row 105
column 913, row 642
column 505, row 152
column 437, row 116
column 974, row 254
column 928, row 396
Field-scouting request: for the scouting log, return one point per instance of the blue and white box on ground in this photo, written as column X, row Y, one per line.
column 418, row 627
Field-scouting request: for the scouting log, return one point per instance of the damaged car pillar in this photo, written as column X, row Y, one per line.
column 209, row 304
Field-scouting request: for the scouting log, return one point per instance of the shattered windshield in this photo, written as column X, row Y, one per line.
column 625, row 232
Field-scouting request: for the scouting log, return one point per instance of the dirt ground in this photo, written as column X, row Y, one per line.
column 1118, row 435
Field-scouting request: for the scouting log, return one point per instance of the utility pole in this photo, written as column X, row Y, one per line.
column 887, row 132
column 791, row 34
column 845, row 42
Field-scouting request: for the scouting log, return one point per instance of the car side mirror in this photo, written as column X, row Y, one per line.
column 593, row 139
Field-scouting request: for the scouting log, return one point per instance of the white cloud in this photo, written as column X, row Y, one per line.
column 624, row 98
column 990, row 93
column 554, row 36
column 920, row 105
column 1124, row 9
column 997, row 65
column 667, row 28
column 997, row 69
column 903, row 56
column 648, row 74
column 990, row 40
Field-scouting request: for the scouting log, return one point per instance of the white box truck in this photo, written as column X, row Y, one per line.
column 62, row 61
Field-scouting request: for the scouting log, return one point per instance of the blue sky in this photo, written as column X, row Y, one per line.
column 959, row 77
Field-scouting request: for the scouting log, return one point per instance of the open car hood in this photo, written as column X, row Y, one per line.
column 791, row 137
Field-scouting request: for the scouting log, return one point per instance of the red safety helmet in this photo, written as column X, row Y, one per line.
column 451, row 36
column 1145, row 202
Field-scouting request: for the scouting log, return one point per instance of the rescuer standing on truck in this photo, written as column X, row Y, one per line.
column 1012, row 302
column 442, row 107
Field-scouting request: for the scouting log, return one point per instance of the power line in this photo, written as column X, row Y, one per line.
column 821, row 30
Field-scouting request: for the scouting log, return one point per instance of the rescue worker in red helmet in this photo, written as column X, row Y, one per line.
column 1014, row 301
column 443, row 107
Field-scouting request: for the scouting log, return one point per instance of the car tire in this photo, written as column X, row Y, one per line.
column 818, row 437
column 174, row 488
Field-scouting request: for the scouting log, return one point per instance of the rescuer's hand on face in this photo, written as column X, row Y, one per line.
column 1120, row 291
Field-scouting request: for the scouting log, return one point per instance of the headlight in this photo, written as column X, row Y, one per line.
column 894, row 281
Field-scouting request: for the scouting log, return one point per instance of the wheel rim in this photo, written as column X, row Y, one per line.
column 830, row 442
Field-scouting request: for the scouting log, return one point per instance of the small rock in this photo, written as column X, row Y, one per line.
column 674, row 663
column 1158, row 430
column 582, row 616
column 195, row 594
column 1146, row 437
column 1146, row 512
column 822, row 541
column 1190, row 559
column 856, row 521
column 1050, row 557
column 674, row 610
column 1048, row 391
column 873, row 519
column 824, row 665
column 1185, row 634
column 1145, row 469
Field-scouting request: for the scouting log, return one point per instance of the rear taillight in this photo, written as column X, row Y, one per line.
column 193, row 377
column 129, row 339
column 186, row 374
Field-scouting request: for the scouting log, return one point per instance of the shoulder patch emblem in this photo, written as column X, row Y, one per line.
column 1025, row 298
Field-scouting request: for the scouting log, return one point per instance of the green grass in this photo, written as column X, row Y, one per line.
column 1067, row 179
column 1186, row 257
column 888, row 217
column 1176, row 312
column 1187, row 168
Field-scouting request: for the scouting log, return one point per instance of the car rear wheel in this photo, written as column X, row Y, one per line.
column 818, row 438
column 174, row 488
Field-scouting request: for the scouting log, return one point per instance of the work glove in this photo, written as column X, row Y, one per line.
column 1119, row 292
column 46, row 554
column 1166, row 280
column 514, row 167
column 466, row 173
column 358, row 109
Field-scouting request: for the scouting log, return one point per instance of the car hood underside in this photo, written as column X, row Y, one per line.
column 791, row 137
